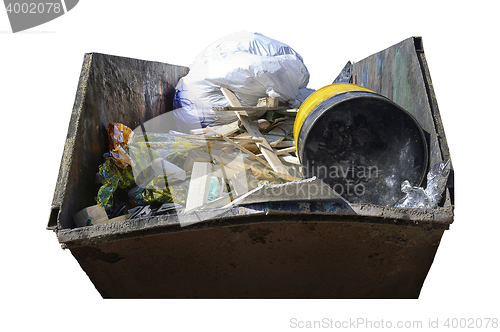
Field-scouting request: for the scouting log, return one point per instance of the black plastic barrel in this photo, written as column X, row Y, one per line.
column 360, row 143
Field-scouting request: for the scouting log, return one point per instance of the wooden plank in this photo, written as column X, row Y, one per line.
column 218, row 138
column 290, row 159
column 94, row 214
column 251, row 154
column 271, row 139
column 286, row 150
column 284, row 144
column 227, row 149
column 227, row 129
column 249, row 108
column 104, row 221
column 202, row 156
column 263, row 124
column 195, row 156
column 199, row 185
column 265, row 148
column 233, row 101
column 200, row 131
column 285, row 128
column 231, row 166
column 268, row 102
column 253, row 130
column 243, row 182
column 283, row 151
column 289, row 112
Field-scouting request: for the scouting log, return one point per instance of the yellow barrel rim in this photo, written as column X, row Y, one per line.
column 317, row 98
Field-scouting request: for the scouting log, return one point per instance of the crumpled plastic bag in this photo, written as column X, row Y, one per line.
column 428, row 198
column 249, row 64
column 145, row 149
column 113, row 177
column 160, row 191
column 150, row 151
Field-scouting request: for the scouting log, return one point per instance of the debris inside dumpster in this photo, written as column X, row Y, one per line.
column 95, row 215
column 203, row 169
column 428, row 198
column 113, row 177
column 120, row 136
column 236, row 141
column 246, row 161
column 300, row 190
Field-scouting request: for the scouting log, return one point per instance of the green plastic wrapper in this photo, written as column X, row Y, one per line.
column 130, row 154
column 113, row 177
column 158, row 191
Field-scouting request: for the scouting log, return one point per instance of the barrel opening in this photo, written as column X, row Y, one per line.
column 363, row 146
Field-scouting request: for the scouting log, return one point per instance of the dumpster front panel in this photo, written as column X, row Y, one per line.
column 266, row 260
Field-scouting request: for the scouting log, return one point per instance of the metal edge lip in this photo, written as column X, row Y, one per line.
column 439, row 218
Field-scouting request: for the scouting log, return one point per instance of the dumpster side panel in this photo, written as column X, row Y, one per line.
column 395, row 73
column 400, row 73
column 111, row 89
column 266, row 260
column 69, row 145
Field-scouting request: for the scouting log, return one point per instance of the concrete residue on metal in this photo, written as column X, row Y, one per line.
column 442, row 216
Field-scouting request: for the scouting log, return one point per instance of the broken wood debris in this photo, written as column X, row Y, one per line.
column 226, row 129
column 253, row 130
column 253, row 108
column 224, row 161
column 270, row 104
column 216, row 138
column 95, row 215
column 242, row 148
column 200, row 187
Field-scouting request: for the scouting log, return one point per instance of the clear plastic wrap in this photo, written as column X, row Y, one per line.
column 428, row 198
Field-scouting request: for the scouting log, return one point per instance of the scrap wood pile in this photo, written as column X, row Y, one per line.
column 146, row 174
column 234, row 114
column 224, row 146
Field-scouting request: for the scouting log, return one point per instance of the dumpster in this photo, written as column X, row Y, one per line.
column 277, row 249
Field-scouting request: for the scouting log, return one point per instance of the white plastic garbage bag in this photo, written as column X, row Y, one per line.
column 249, row 64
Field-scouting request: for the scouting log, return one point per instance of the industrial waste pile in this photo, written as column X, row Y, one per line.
column 232, row 142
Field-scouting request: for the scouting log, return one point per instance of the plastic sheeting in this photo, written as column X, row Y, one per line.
column 428, row 198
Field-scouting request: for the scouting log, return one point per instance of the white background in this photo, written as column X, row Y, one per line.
column 42, row 286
